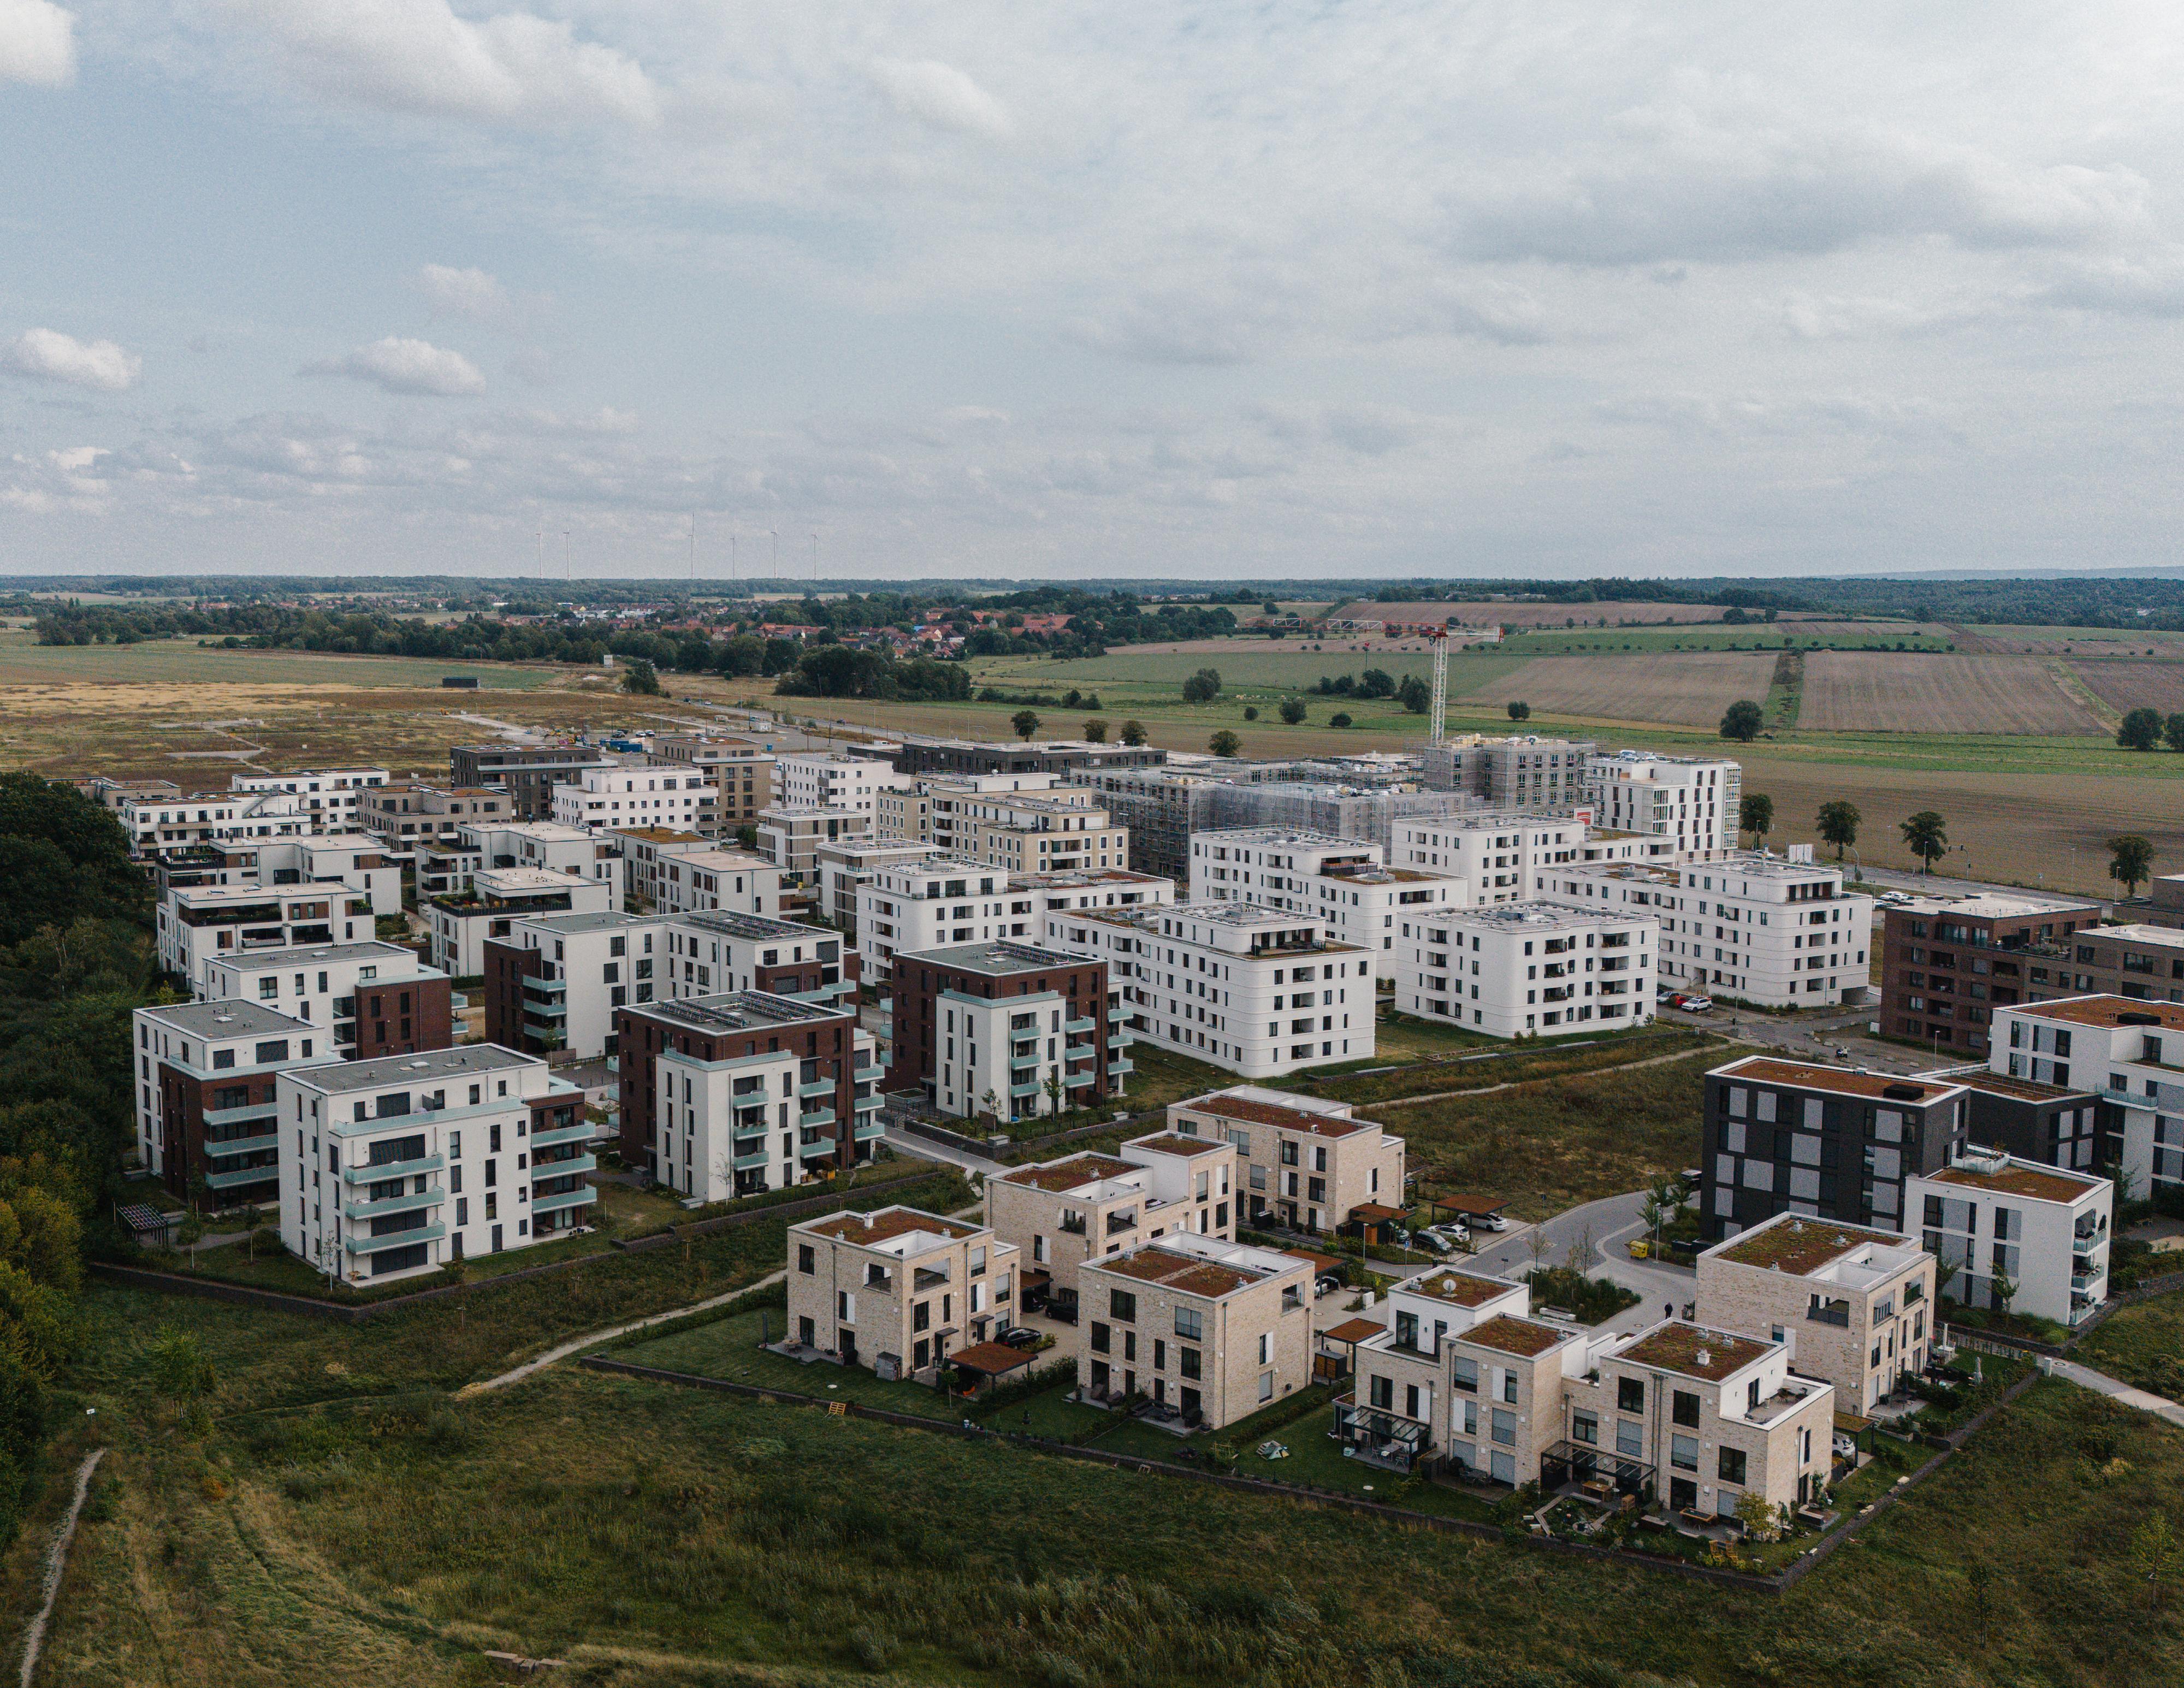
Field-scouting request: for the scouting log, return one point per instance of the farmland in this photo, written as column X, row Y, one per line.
column 1508, row 615
column 1690, row 688
column 1859, row 691
column 2134, row 685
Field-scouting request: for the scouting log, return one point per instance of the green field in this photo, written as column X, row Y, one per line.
column 2142, row 1344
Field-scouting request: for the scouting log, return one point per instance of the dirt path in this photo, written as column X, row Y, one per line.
column 554, row 1355
column 34, row 1640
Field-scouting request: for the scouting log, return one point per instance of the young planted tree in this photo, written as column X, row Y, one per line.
column 1520, row 712
column 2141, row 730
column 1925, row 835
column 1225, row 744
column 1293, row 711
column 1095, row 731
column 2156, row 1553
column 1837, row 824
column 1053, row 1088
column 2131, row 861
column 1755, row 814
column 1026, row 722
column 1741, row 721
column 1134, row 733
column 2002, row 1290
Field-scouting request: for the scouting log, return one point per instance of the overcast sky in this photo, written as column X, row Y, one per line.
column 1119, row 288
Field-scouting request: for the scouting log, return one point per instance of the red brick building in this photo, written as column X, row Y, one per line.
column 1002, row 1029
column 1948, row 963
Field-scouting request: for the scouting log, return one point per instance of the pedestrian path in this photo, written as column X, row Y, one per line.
column 2116, row 1390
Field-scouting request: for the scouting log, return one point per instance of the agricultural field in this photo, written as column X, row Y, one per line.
column 2124, row 685
column 2004, row 639
column 1687, row 689
column 1482, row 614
column 1858, row 691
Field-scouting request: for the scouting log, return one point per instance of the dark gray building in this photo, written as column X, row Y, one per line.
column 920, row 755
column 2050, row 1123
column 530, row 772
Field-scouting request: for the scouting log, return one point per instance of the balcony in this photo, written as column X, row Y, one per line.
column 751, row 1163
column 815, row 1117
column 869, row 1075
column 354, row 1211
column 816, row 1087
column 808, row 1152
column 545, row 1011
column 395, row 1239
column 567, row 1198
column 392, row 1169
column 870, row 1131
column 1116, row 1069
column 866, row 1103
column 242, row 1177
column 1076, row 1080
column 562, row 1169
column 564, row 1134
column 1030, row 1090
column 236, row 1116
column 541, row 985
column 1078, row 1052
column 237, row 1145
column 1073, row 1026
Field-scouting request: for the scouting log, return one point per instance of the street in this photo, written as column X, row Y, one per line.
column 1608, row 1225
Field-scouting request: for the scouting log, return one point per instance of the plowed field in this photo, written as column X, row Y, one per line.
column 2134, row 685
column 1871, row 691
column 1680, row 688
column 1480, row 614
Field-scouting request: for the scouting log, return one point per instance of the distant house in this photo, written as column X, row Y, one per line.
column 1045, row 626
column 786, row 630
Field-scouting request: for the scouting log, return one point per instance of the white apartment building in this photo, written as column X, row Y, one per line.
column 818, row 780
column 929, row 807
column 1528, row 969
column 922, row 904
column 718, row 882
column 683, row 799
column 200, row 924
column 789, row 835
column 2126, row 1049
column 1254, row 990
column 163, row 820
column 318, row 986
column 842, row 867
column 1010, row 1054
column 203, row 1093
column 333, row 792
column 497, row 899
column 710, row 952
column 1689, row 800
column 2045, row 1230
column 355, row 860
column 1340, row 880
column 576, row 971
column 393, row 1168
column 447, row 869
column 645, row 852
column 1752, row 928
column 1501, row 856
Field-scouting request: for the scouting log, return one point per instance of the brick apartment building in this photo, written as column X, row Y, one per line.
column 983, row 1027
column 1947, row 963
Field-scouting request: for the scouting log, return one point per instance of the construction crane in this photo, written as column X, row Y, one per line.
column 1434, row 727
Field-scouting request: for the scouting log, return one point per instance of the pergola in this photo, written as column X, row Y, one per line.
column 1465, row 1205
column 990, row 1361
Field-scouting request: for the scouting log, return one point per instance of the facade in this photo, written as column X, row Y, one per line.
column 2126, row 1050
column 1689, row 802
column 1088, row 1205
column 1302, row 1163
column 842, row 869
column 1993, row 1219
column 1041, row 831
column 920, row 755
column 718, row 882
column 404, row 815
column 1525, row 970
column 392, row 1168
column 529, row 773
column 2055, row 1125
column 2140, row 961
column 1854, row 1305
column 199, row 926
column 1832, row 1143
column 496, row 900
column 896, row 1291
column 1947, row 965
column 1341, row 881
column 1218, row 1330
column 354, row 860
column 204, row 1095
column 673, row 795
column 1752, row 928
column 1501, row 856
column 447, row 869
column 741, row 769
column 828, row 780
column 369, row 999
column 709, row 953
column 789, row 836
column 645, row 852
column 1523, row 771
column 1003, row 1028
column 554, row 982
column 743, row 1091
column 1220, row 981
column 157, row 822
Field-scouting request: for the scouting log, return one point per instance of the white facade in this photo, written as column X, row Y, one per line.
column 1686, row 800
column 162, row 822
column 924, row 904
column 1006, row 1055
column 316, row 986
column 2127, row 1050
column 819, row 781
column 1249, row 990
column 683, row 799
column 1501, row 856
column 789, row 835
column 1341, row 881
column 498, row 899
column 1528, row 969
column 226, row 1044
column 718, row 882
column 2041, row 1228
column 591, row 965
column 711, row 953
column 390, row 1169
column 197, row 925
column 843, row 867
column 1751, row 927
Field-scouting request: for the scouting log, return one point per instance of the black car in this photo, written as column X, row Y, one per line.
column 1023, row 1336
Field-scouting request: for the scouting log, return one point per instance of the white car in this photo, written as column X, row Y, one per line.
column 1491, row 1222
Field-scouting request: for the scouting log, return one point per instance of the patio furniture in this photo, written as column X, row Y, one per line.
column 1693, row 1521
column 1599, row 1487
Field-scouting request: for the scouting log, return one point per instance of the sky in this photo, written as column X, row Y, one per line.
column 1405, row 287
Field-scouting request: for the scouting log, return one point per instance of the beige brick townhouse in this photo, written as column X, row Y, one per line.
column 1302, row 1162
column 1061, row 1213
column 897, row 1290
column 1466, row 1378
column 1215, row 1329
column 1852, row 1304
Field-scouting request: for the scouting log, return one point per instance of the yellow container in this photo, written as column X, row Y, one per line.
column 1641, row 1249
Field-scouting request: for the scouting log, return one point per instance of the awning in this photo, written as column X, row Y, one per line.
column 1374, row 1213
column 990, row 1359
column 1354, row 1331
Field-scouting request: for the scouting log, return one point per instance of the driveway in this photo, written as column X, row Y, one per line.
column 1609, row 1224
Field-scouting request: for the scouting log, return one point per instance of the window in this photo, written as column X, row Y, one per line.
column 921, row 1316
column 1504, row 1426
column 806, row 1258
column 1122, row 1305
column 1732, row 1466
column 1684, row 1408
column 1630, row 1437
column 1266, row 1386
column 1467, row 1375
column 1099, row 1339
column 1266, row 1348
column 1630, row 1394
column 1684, row 1452
column 1187, row 1361
column 1585, row 1427
column 1190, row 1324
column 1383, row 1394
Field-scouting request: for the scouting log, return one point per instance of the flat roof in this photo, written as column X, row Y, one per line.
column 422, row 1069
column 1797, row 1246
column 888, row 1225
column 1457, row 1288
column 1071, row 1173
column 214, row 1021
column 1535, row 917
column 1845, row 1081
column 2020, row 1178
column 1084, row 875
column 1182, row 1273
column 261, row 960
column 1226, row 1106
column 2025, row 1089
column 602, row 921
column 1999, row 905
column 1354, row 1330
column 2171, row 937
column 657, row 834
column 2107, row 1011
column 528, row 879
column 1512, row 1335
column 997, row 959
column 737, row 1010
column 736, row 925
column 1175, row 1143
column 1709, row 1355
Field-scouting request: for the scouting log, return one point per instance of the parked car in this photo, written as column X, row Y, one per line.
column 1023, row 1336
column 1692, row 1004
column 1327, row 1284
column 1430, row 1242
column 1445, row 1239
column 1490, row 1222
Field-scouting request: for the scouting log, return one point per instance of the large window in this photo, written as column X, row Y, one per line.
column 1122, row 1305
column 1684, row 1452
column 1630, row 1394
column 1732, row 1466
column 1190, row 1324
column 1684, row 1407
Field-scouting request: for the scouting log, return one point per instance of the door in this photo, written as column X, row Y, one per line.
column 1129, row 1383
column 1682, row 1494
column 1191, row 1406
column 496, row 1239
column 1160, row 1390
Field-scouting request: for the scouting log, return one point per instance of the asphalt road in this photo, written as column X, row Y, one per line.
column 1608, row 1226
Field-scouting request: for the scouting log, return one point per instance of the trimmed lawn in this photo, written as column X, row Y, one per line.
column 2142, row 1344
column 1164, row 1077
column 1316, row 1461
column 1047, row 1414
column 728, row 1349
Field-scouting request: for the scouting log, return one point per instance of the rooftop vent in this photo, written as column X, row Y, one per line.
column 1903, row 1092
column 2138, row 1019
column 1701, row 1356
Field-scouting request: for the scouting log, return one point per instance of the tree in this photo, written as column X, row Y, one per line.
column 1203, row 687
column 1053, row 1088
column 1755, row 814
column 1338, row 719
column 2002, row 1290
column 1225, row 744
column 1026, row 722
column 1134, row 733
column 1520, row 712
column 1095, row 731
column 1837, row 824
column 641, row 679
column 1414, row 695
column 747, row 837
column 61, row 858
column 2157, row 1551
column 1926, row 835
column 2173, row 731
column 180, row 1369
column 1981, row 1577
column 1250, row 711
column 1741, row 721
column 1760, row 1521
column 1294, row 710
column 2131, row 861
column 2141, row 730
column 1376, row 682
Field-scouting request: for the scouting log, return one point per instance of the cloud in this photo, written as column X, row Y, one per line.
column 462, row 292
column 37, row 43
column 406, row 366
column 2137, row 287
column 51, row 355
column 942, row 96
column 419, row 56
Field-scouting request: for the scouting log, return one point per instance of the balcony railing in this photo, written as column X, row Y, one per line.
column 564, row 1134
column 567, row 1198
column 562, row 1169
column 870, row 1129
column 816, row 1087
column 815, row 1116
column 354, row 1211
column 395, row 1239
column 241, row 1177
column 392, row 1169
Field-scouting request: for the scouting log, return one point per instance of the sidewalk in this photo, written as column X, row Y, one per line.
column 2116, row 1390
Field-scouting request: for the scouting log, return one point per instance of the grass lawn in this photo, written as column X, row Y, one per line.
column 1047, row 1413
column 728, row 1349
column 1500, row 1061
column 2142, row 1344
column 1164, row 1077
